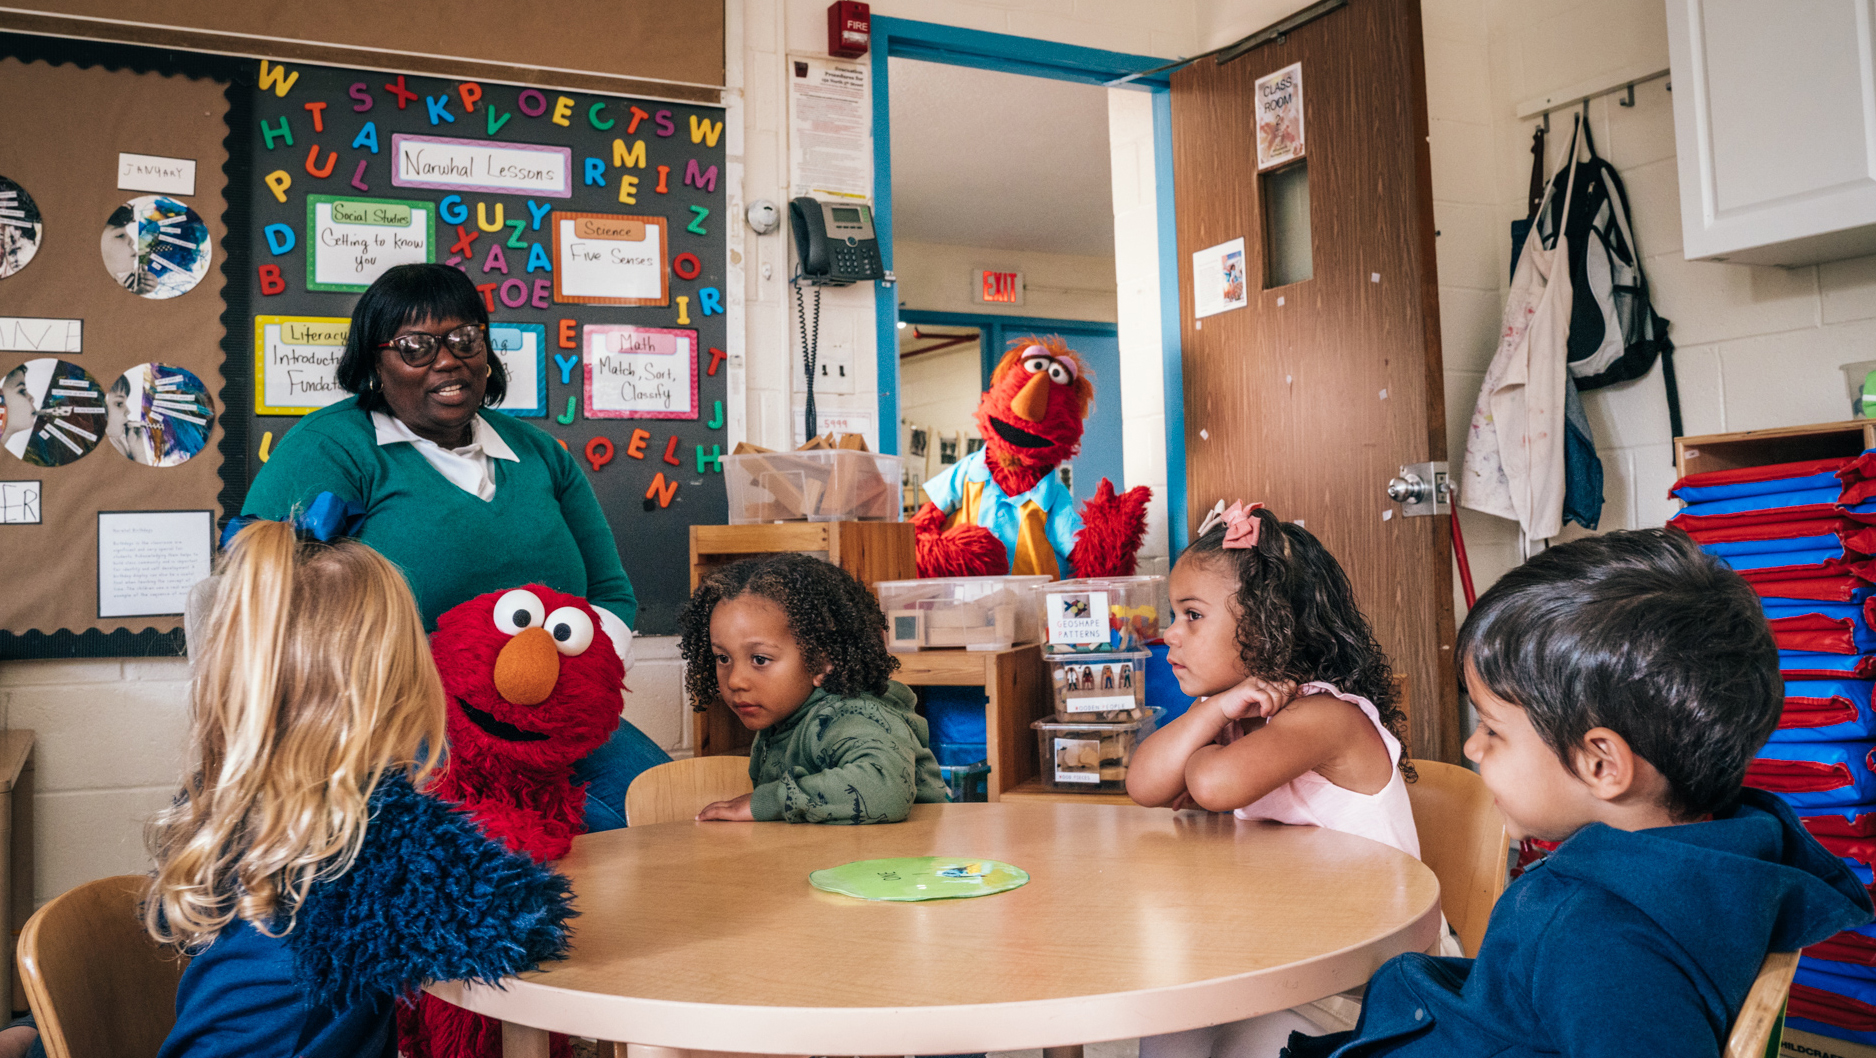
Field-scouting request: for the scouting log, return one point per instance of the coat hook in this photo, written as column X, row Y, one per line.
column 1546, row 122
column 1629, row 99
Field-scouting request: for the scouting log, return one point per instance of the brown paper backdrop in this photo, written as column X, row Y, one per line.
column 61, row 129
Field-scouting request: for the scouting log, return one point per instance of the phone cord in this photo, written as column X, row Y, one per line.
column 810, row 351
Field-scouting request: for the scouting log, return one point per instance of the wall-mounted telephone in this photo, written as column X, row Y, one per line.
column 834, row 242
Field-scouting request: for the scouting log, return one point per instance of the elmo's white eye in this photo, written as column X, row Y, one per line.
column 572, row 630
column 518, row 609
column 1037, row 363
column 1058, row 374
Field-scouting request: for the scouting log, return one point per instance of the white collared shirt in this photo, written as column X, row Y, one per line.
column 468, row 467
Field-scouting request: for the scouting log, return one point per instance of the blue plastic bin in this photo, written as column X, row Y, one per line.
column 1161, row 688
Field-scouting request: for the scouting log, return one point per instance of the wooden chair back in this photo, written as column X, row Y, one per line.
column 675, row 792
column 1764, row 1010
column 99, row 986
column 1463, row 842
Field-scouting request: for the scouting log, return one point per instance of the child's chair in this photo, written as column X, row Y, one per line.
column 1755, row 1030
column 1463, row 842
column 99, row 986
column 676, row 792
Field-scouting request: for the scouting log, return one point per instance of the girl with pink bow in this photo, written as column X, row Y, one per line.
column 1298, row 722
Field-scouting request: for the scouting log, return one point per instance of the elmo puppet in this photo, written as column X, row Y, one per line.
column 533, row 683
column 1002, row 509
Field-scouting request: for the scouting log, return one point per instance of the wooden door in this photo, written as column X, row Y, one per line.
column 1314, row 394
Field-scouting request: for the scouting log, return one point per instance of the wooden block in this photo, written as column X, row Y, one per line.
column 1797, row 1044
column 744, row 448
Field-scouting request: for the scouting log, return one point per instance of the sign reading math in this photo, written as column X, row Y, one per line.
column 610, row 259
column 450, row 164
column 296, row 363
column 640, row 372
column 352, row 241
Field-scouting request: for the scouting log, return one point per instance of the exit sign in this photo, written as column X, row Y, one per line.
column 997, row 288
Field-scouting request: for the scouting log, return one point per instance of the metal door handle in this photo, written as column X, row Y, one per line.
column 1421, row 489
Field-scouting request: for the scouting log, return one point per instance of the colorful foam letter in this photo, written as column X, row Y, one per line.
column 713, row 461
column 367, row 137
column 634, row 158
column 592, row 115
column 469, row 92
column 280, row 238
column 319, row 115
column 637, row 116
column 686, row 266
column 661, row 490
column 717, row 356
column 514, row 238
column 521, row 292
column 703, row 179
column 543, row 294
column 465, row 239
column 358, row 178
column 271, row 283
column 705, row 130
column 538, row 106
column 285, row 131
column 452, row 210
column 439, row 109
column 278, row 181
column 709, row 301
column 695, row 227
column 635, row 445
column 488, row 294
column 628, row 189
column 277, row 78
column 496, row 119
column 537, row 257
column 716, row 417
column 569, row 340
column 539, row 213
column 683, row 309
column 670, row 452
column 595, row 172
column 482, row 217
column 566, row 419
column 495, row 259
column 566, row 364
column 664, row 177
column 662, row 119
column 598, row 452
column 312, row 156
column 361, row 92
column 563, row 109
column 404, row 95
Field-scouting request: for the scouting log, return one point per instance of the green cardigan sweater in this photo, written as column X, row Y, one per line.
column 850, row 759
column 544, row 525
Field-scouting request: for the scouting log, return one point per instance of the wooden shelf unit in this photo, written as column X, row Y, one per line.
column 16, row 850
column 1786, row 444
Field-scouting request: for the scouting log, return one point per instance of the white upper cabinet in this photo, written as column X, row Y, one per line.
column 1775, row 128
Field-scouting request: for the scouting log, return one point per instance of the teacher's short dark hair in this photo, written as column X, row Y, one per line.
column 408, row 294
column 1644, row 634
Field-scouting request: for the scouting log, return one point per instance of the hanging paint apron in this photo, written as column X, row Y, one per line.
column 1514, row 465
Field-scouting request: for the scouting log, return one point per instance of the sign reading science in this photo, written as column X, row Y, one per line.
column 451, row 164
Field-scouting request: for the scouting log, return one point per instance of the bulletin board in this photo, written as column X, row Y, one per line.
column 594, row 224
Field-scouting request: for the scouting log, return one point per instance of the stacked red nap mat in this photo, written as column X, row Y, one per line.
column 1802, row 534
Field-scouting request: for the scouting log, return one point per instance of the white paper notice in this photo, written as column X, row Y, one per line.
column 608, row 258
column 147, row 172
column 833, row 416
column 640, row 372
column 19, row 503
column 40, row 334
column 830, row 129
column 352, row 241
column 296, row 363
column 148, row 560
column 1218, row 279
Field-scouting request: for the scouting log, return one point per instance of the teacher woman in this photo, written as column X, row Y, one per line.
column 464, row 499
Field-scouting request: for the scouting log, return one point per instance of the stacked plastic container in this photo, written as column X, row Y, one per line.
column 1096, row 634
column 1802, row 534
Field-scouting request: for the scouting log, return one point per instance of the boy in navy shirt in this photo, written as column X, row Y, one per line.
column 1623, row 683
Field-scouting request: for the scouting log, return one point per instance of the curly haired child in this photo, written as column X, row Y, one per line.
column 796, row 648
column 1299, row 721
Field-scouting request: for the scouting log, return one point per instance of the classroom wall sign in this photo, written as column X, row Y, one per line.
column 351, row 241
column 522, row 348
column 640, row 372
column 610, row 259
column 477, row 165
column 296, row 363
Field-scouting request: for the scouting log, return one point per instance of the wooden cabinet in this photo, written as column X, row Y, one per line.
column 1786, row 444
column 1775, row 128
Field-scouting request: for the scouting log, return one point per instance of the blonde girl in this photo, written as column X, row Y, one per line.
column 312, row 882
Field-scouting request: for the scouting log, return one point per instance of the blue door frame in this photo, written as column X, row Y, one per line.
column 907, row 39
column 994, row 329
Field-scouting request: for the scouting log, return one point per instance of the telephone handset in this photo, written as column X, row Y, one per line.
column 834, row 242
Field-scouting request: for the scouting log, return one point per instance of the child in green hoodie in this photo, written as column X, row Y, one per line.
column 796, row 647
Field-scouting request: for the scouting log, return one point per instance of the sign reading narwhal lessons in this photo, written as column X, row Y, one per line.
column 352, row 241
column 296, row 363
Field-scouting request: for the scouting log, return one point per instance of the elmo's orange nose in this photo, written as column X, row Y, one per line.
column 527, row 668
column 1032, row 401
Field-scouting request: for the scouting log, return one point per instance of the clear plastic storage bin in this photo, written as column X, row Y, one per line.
column 825, row 485
column 1078, row 757
column 978, row 613
column 1102, row 688
column 1102, row 616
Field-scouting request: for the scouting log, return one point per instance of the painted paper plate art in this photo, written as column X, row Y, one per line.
column 156, row 247
column 158, row 415
column 51, row 412
column 20, row 227
column 920, row 878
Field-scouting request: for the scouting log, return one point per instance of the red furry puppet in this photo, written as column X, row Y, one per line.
column 1002, row 509
column 533, row 682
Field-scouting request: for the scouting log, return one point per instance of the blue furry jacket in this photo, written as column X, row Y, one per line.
column 430, row 898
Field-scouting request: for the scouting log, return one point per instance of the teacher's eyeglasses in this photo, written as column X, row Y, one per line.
column 468, row 342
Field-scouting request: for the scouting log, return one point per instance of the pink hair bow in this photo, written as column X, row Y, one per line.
column 1242, row 527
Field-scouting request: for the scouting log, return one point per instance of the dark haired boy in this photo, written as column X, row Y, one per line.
column 1623, row 683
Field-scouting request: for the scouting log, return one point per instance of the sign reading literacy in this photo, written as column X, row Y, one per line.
column 296, row 362
column 610, row 259
column 352, row 241
column 522, row 348
column 147, row 172
column 640, row 372
column 478, row 165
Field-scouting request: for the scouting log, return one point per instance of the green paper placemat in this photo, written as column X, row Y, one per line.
column 920, row 878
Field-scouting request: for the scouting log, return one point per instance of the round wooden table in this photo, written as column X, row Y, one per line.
column 707, row 936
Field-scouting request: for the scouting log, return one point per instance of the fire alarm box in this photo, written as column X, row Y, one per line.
column 849, row 29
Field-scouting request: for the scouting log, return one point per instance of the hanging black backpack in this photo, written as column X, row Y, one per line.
column 1615, row 333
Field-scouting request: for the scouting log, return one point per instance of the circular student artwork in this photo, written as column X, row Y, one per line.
column 156, row 247
column 158, row 414
column 909, row 878
column 20, row 227
column 51, row 412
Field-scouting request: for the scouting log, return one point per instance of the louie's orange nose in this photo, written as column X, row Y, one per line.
column 1032, row 401
column 527, row 668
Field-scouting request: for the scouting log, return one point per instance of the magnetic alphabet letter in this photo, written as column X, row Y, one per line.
column 538, row 213
column 705, row 130
column 361, row 92
column 717, row 356
column 367, row 137
column 683, row 309
column 536, row 107
column 695, row 227
column 566, row 364
column 358, row 178
column 469, row 92
column 521, row 292
column 628, row 189
column 710, row 301
column 635, row 447
column 514, row 240
column 716, row 418
column 404, row 95
column 267, row 445
column 312, row 156
column 543, row 294
column 285, row 132
column 271, row 283
column 465, row 239
column 537, row 257
column 637, row 116
column 319, row 115
column 595, row 172
column 452, row 210
column 664, row 175
column 704, row 179
column 592, row 115
column 663, row 121
column 598, row 452
column 686, row 266
column 713, row 461
column 566, row 418
column 569, row 340
column 482, row 217
column 280, row 238
column 277, row 78
column 488, row 294
column 635, row 158
column 661, row 490
column 563, row 109
column 670, row 452
column 496, row 119
column 439, row 109
column 278, row 181
column 495, row 259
